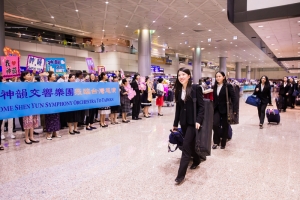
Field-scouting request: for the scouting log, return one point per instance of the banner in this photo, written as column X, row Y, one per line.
column 24, row 99
column 57, row 65
column 101, row 69
column 35, row 63
column 10, row 66
column 91, row 65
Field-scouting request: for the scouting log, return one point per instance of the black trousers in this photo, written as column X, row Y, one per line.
column 21, row 123
column 136, row 108
column 284, row 103
column 188, row 150
column 90, row 119
column 220, row 120
column 262, row 112
column 292, row 100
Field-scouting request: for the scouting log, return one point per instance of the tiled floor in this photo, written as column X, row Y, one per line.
column 131, row 161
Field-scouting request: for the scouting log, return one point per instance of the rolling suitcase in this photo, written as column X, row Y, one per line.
column 204, row 135
column 273, row 116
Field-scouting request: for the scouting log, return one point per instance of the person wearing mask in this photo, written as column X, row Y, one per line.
column 73, row 117
column 185, row 115
column 104, row 110
column 125, row 102
column 263, row 92
column 29, row 122
column 160, row 99
column 52, row 121
column 220, row 109
column 284, row 90
column 136, row 101
column 114, row 109
column 147, row 97
column 294, row 87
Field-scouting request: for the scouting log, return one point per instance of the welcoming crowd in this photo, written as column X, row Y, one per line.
column 134, row 95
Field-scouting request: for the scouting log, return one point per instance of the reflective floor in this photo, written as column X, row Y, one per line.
column 131, row 161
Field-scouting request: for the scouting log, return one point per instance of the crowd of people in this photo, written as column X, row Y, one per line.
column 134, row 95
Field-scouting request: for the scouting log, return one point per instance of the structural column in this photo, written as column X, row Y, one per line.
column 255, row 73
column 197, row 71
column 222, row 63
column 238, row 71
column 144, row 52
column 248, row 72
column 2, row 29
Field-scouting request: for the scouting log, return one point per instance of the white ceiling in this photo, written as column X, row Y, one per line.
column 281, row 36
column 103, row 21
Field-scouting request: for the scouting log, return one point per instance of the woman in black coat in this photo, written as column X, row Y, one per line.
column 220, row 109
column 284, row 90
column 136, row 101
column 294, row 86
column 185, row 115
column 263, row 92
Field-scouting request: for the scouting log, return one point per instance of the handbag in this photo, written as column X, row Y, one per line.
column 295, row 93
column 253, row 100
column 175, row 138
column 230, row 114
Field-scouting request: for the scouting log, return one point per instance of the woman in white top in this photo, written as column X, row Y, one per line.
column 160, row 95
column 103, row 111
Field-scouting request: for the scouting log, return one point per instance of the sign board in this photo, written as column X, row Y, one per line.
column 57, row 65
column 10, row 66
column 91, row 65
column 35, row 63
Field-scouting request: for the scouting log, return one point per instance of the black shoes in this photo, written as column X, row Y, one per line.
column 193, row 166
column 222, row 147
column 160, row 114
column 260, row 126
column 72, row 133
column 214, row 146
column 179, row 180
column 93, row 127
column 35, row 133
column 34, row 141
column 139, row 118
column 77, row 132
column 28, row 142
column 88, row 129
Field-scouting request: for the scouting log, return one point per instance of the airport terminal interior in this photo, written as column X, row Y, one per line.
column 141, row 46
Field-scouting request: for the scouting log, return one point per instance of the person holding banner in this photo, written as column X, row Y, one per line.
column 91, row 112
column 29, row 122
column 73, row 117
column 52, row 121
column 104, row 110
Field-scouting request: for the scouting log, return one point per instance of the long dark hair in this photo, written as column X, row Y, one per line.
column 267, row 80
column 288, row 80
column 135, row 76
column 23, row 74
column 178, row 85
column 101, row 76
column 224, row 81
column 50, row 73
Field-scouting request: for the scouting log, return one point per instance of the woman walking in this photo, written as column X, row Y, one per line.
column 263, row 92
column 220, row 126
column 160, row 95
column 185, row 115
column 284, row 90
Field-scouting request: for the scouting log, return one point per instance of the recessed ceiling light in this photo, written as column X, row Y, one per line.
column 201, row 41
column 189, row 46
column 158, row 36
column 153, row 21
column 182, row 33
column 225, row 39
column 180, row 43
column 298, row 21
column 272, row 44
column 185, row 15
column 260, row 26
column 199, row 24
column 103, row 30
column 106, row 2
column 244, row 50
column 202, row 48
column 235, row 37
column 268, row 36
column 126, row 26
column 298, row 42
column 52, row 17
column 215, row 47
column 209, row 44
column 276, row 49
column 223, row 10
column 31, row 22
column 209, row 40
column 278, row 53
column 236, row 45
column 209, row 30
column 170, row 28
